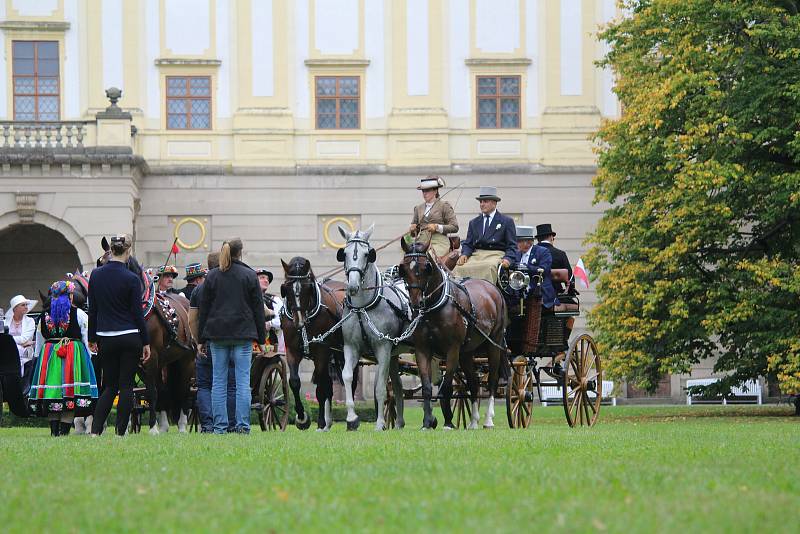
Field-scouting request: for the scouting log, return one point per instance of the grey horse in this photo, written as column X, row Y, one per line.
column 376, row 313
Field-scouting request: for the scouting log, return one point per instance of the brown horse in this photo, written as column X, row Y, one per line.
column 459, row 321
column 310, row 309
column 169, row 371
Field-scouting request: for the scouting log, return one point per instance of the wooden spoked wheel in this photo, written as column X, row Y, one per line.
column 273, row 390
column 460, row 404
column 583, row 382
column 519, row 394
column 389, row 406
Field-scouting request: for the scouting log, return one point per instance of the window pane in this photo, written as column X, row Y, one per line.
column 325, row 106
column 48, row 108
column 509, row 120
column 487, row 121
column 24, row 108
column 201, row 122
column 48, row 86
column 23, row 66
column 201, row 106
column 487, row 105
column 348, row 121
column 326, row 121
column 487, row 86
column 347, row 105
column 47, row 67
column 24, row 86
column 509, row 105
column 48, row 50
column 348, row 86
column 326, row 86
column 509, row 86
column 176, row 105
column 176, row 86
column 176, row 121
column 23, row 49
column 200, row 87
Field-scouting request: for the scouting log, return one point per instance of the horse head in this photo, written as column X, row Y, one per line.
column 418, row 270
column 357, row 255
column 106, row 257
column 298, row 289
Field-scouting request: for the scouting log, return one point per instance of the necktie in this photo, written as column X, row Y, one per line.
column 485, row 224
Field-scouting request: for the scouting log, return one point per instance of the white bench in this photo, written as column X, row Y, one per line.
column 551, row 394
column 738, row 394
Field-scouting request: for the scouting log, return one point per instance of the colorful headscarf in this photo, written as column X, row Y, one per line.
column 58, row 319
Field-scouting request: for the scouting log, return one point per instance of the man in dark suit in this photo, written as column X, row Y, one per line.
column 546, row 237
column 491, row 240
column 536, row 257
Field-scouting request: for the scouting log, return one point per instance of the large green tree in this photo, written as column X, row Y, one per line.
column 697, row 255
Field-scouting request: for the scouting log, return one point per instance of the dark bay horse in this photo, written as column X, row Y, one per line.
column 459, row 322
column 311, row 308
column 169, row 371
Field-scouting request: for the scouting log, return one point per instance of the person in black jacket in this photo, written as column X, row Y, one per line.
column 231, row 318
column 546, row 237
column 117, row 332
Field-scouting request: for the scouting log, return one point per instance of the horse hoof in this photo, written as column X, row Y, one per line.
column 379, row 428
column 154, row 431
column 448, row 427
column 400, row 425
column 323, row 429
column 353, row 425
column 488, row 426
column 303, row 424
column 473, row 426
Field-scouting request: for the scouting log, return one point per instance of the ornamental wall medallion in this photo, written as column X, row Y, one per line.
column 192, row 232
column 329, row 229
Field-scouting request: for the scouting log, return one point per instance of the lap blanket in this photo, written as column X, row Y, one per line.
column 482, row 264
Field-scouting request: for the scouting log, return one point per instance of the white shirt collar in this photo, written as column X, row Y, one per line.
column 545, row 241
column 491, row 215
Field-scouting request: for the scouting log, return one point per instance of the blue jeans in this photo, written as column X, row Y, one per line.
column 203, row 367
column 221, row 356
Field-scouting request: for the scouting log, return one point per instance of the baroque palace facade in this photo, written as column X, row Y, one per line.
column 278, row 120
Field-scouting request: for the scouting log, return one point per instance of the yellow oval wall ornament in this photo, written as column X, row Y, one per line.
column 196, row 222
column 326, row 229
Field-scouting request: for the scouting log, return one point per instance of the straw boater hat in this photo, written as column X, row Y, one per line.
column 269, row 275
column 524, row 232
column 194, row 270
column 19, row 299
column 488, row 192
column 430, row 182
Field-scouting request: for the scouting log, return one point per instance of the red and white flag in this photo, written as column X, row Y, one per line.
column 580, row 273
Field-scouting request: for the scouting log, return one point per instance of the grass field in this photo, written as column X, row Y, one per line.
column 641, row 469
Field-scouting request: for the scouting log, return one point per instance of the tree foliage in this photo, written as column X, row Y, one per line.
column 697, row 255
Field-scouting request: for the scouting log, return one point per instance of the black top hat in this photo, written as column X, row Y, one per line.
column 270, row 276
column 544, row 230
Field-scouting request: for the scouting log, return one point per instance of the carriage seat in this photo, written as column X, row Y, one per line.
column 559, row 275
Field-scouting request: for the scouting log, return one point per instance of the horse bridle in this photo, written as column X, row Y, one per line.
column 297, row 283
column 415, row 256
column 340, row 255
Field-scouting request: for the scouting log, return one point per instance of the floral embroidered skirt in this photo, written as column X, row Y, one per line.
column 64, row 380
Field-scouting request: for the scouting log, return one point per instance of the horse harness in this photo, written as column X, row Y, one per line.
column 310, row 317
column 468, row 316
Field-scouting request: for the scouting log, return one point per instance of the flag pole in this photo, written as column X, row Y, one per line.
column 169, row 254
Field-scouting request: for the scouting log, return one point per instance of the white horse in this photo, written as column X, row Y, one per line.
column 375, row 317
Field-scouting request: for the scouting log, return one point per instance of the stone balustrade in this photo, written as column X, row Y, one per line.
column 21, row 135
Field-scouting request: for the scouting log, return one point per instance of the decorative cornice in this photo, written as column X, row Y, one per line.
column 336, row 62
column 187, row 62
column 34, row 26
column 498, row 61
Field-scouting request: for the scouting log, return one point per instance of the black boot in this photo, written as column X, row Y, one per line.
column 55, row 429
column 64, row 428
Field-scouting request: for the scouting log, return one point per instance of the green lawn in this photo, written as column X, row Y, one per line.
column 641, row 469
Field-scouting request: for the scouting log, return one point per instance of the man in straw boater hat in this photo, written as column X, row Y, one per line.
column 491, row 240
column 434, row 218
column 195, row 274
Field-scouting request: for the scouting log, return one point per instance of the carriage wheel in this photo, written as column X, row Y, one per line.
column 583, row 382
column 459, row 404
column 389, row 407
column 519, row 394
column 273, row 390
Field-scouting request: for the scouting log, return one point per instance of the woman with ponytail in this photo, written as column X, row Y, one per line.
column 118, row 331
column 231, row 318
column 64, row 383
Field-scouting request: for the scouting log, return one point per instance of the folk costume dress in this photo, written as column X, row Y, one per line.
column 64, row 379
